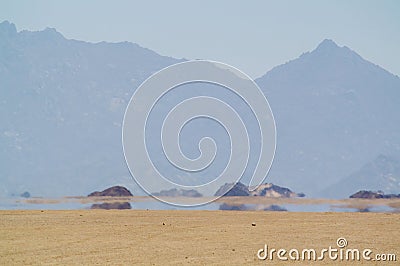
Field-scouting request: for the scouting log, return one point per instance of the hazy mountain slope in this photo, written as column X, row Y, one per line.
column 61, row 108
column 383, row 173
column 334, row 112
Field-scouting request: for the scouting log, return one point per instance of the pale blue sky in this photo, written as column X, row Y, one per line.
column 251, row 35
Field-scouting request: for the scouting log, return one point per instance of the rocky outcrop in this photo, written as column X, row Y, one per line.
column 178, row 193
column 233, row 190
column 265, row 190
column 273, row 191
column 112, row 206
column 26, row 194
column 364, row 194
column 116, row 191
column 367, row 194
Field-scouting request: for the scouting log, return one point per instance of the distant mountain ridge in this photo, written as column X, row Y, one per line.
column 334, row 112
column 63, row 102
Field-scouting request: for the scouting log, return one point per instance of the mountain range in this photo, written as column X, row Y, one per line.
column 62, row 104
column 335, row 112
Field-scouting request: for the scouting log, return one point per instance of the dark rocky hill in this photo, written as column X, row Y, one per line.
column 366, row 194
column 265, row 190
column 116, row 191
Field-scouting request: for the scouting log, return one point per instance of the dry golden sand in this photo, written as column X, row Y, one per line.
column 125, row 237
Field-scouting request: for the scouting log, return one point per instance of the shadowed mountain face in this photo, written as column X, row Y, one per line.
column 62, row 104
column 235, row 190
column 334, row 112
column 61, row 109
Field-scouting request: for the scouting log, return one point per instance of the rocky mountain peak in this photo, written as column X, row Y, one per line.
column 327, row 44
column 7, row 29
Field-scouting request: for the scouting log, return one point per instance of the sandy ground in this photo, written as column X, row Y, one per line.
column 126, row 237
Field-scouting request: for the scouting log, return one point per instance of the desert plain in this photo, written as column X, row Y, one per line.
column 185, row 237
